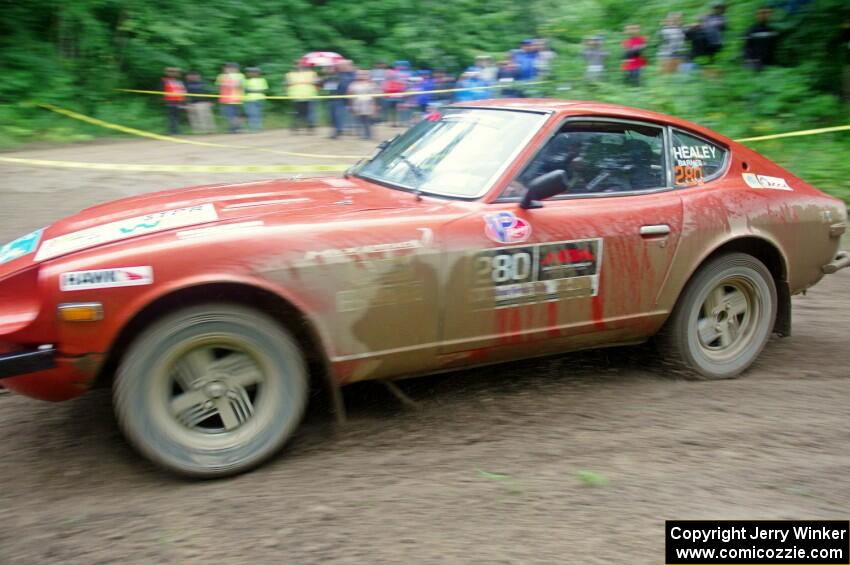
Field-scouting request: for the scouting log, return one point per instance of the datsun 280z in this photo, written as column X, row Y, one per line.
column 504, row 230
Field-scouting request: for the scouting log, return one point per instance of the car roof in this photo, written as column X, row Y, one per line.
column 565, row 108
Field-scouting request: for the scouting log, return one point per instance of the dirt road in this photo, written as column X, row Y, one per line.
column 573, row 459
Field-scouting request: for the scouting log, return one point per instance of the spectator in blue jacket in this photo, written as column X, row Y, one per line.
column 526, row 60
column 426, row 84
column 471, row 79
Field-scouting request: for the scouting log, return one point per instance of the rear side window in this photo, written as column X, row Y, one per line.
column 695, row 160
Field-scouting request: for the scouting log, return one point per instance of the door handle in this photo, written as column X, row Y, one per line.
column 657, row 229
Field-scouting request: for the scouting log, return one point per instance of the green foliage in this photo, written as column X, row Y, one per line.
column 74, row 53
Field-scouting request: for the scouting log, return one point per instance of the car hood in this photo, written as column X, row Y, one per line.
column 296, row 199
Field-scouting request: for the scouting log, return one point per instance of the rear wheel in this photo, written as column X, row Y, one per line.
column 723, row 318
column 211, row 391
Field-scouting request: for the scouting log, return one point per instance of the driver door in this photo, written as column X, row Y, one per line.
column 583, row 270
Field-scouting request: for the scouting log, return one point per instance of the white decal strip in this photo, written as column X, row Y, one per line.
column 123, row 229
column 219, row 230
column 267, row 203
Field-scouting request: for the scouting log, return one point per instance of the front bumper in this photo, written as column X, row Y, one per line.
column 27, row 361
column 48, row 375
column 841, row 261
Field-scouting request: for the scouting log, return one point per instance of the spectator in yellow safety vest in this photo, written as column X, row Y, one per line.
column 255, row 96
column 230, row 88
column 174, row 97
column 301, row 87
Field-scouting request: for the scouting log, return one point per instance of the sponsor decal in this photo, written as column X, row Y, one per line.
column 690, row 163
column 685, row 152
column 777, row 183
column 20, row 247
column 568, row 259
column 330, row 255
column 106, row 278
column 764, row 181
column 751, row 180
column 390, row 295
column 505, row 227
column 122, row 229
column 537, row 273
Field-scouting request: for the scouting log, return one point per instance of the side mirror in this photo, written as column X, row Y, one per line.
column 543, row 187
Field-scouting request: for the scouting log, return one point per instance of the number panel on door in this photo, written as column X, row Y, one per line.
column 528, row 274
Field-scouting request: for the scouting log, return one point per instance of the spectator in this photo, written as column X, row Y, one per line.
column 378, row 74
column 633, row 59
column 363, row 104
column 199, row 108
column 344, row 76
column 393, row 86
column 545, row 58
column 594, row 57
column 486, row 69
column 441, row 82
column 230, row 87
column 255, row 96
column 507, row 76
column 672, row 47
column 405, row 104
column 471, row 80
column 695, row 34
column 408, row 103
column 426, row 84
column 714, row 25
column 301, row 86
column 174, row 97
column 760, row 42
column 526, row 60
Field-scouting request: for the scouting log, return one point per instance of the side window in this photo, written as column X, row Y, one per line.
column 695, row 160
column 599, row 157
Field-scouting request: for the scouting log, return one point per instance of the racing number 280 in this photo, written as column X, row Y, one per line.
column 504, row 267
column 688, row 175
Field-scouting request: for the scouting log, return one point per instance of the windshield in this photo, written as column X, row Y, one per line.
column 458, row 152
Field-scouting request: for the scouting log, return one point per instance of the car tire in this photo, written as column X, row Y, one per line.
column 211, row 390
column 723, row 319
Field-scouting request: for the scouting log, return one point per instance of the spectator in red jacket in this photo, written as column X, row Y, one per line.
column 174, row 97
column 633, row 59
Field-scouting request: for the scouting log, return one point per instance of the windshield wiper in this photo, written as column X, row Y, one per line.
column 417, row 172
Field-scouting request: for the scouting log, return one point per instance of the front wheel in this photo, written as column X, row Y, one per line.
column 212, row 390
column 723, row 318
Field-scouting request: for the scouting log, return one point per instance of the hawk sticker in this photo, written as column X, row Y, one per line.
column 106, row 278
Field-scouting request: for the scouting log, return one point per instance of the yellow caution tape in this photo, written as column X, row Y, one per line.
column 795, row 133
column 170, row 139
column 176, row 168
column 520, row 84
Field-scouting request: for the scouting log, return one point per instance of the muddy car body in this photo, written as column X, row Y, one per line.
column 505, row 230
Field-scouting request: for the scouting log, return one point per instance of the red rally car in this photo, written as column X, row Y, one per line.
column 489, row 232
